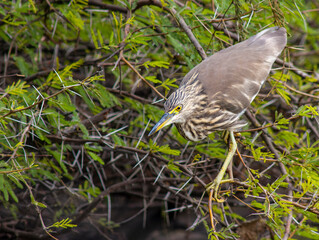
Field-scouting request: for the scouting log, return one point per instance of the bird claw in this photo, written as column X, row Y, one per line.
column 216, row 199
column 213, row 189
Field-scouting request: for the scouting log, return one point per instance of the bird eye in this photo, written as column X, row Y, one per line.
column 178, row 108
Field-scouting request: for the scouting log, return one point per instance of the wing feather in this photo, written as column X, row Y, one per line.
column 232, row 77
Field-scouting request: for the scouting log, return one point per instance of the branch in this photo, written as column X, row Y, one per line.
column 138, row 98
column 107, row 6
column 38, row 102
column 291, row 67
column 190, row 35
column 87, row 122
column 150, row 85
column 180, row 20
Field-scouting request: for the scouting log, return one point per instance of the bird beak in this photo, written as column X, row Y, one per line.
column 165, row 120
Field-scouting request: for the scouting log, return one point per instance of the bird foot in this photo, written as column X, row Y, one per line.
column 225, row 136
column 213, row 189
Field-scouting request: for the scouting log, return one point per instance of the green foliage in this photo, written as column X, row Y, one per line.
column 7, row 184
column 17, row 88
column 259, row 154
column 88, row 191
column 74, row 116
column 64, row 223
column 153, row 147
column 171, row 166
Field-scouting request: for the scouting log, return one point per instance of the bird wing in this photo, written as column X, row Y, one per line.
column 233, row 77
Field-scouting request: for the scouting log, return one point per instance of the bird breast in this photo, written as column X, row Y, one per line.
column 200, row 123
column 207, row 120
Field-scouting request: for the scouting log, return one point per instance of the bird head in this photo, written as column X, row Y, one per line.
column 178, row 107
column 174, row 109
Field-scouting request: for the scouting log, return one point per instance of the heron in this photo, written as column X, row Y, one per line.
column 214, row 94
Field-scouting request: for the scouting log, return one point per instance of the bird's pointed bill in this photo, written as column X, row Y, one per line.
column 165, row 120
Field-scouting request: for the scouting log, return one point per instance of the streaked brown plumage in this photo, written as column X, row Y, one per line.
column 215, row 93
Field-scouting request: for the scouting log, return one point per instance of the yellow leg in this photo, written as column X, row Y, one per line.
column 214, row 186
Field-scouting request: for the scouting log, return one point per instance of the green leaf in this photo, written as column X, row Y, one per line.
column 95, row 157
column 96, row 45
column 65, row 223
column 106, row 98
column 169, row 83
column 173, row 167
column 286, row 138
column 34, row 202
column 25, row 67
column 74, row 17
column 17, row 88
column 162, row 64
column 283, row 94
column 167, row 150
column 307, row 111
column 65, row 102
column 153, row 79
column 58, row 157
column 139, row 39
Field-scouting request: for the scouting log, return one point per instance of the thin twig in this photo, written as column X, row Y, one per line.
column 180, row 20
column 150, row 85
column 190, row 34
column 107, row 6
column 291, row 67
